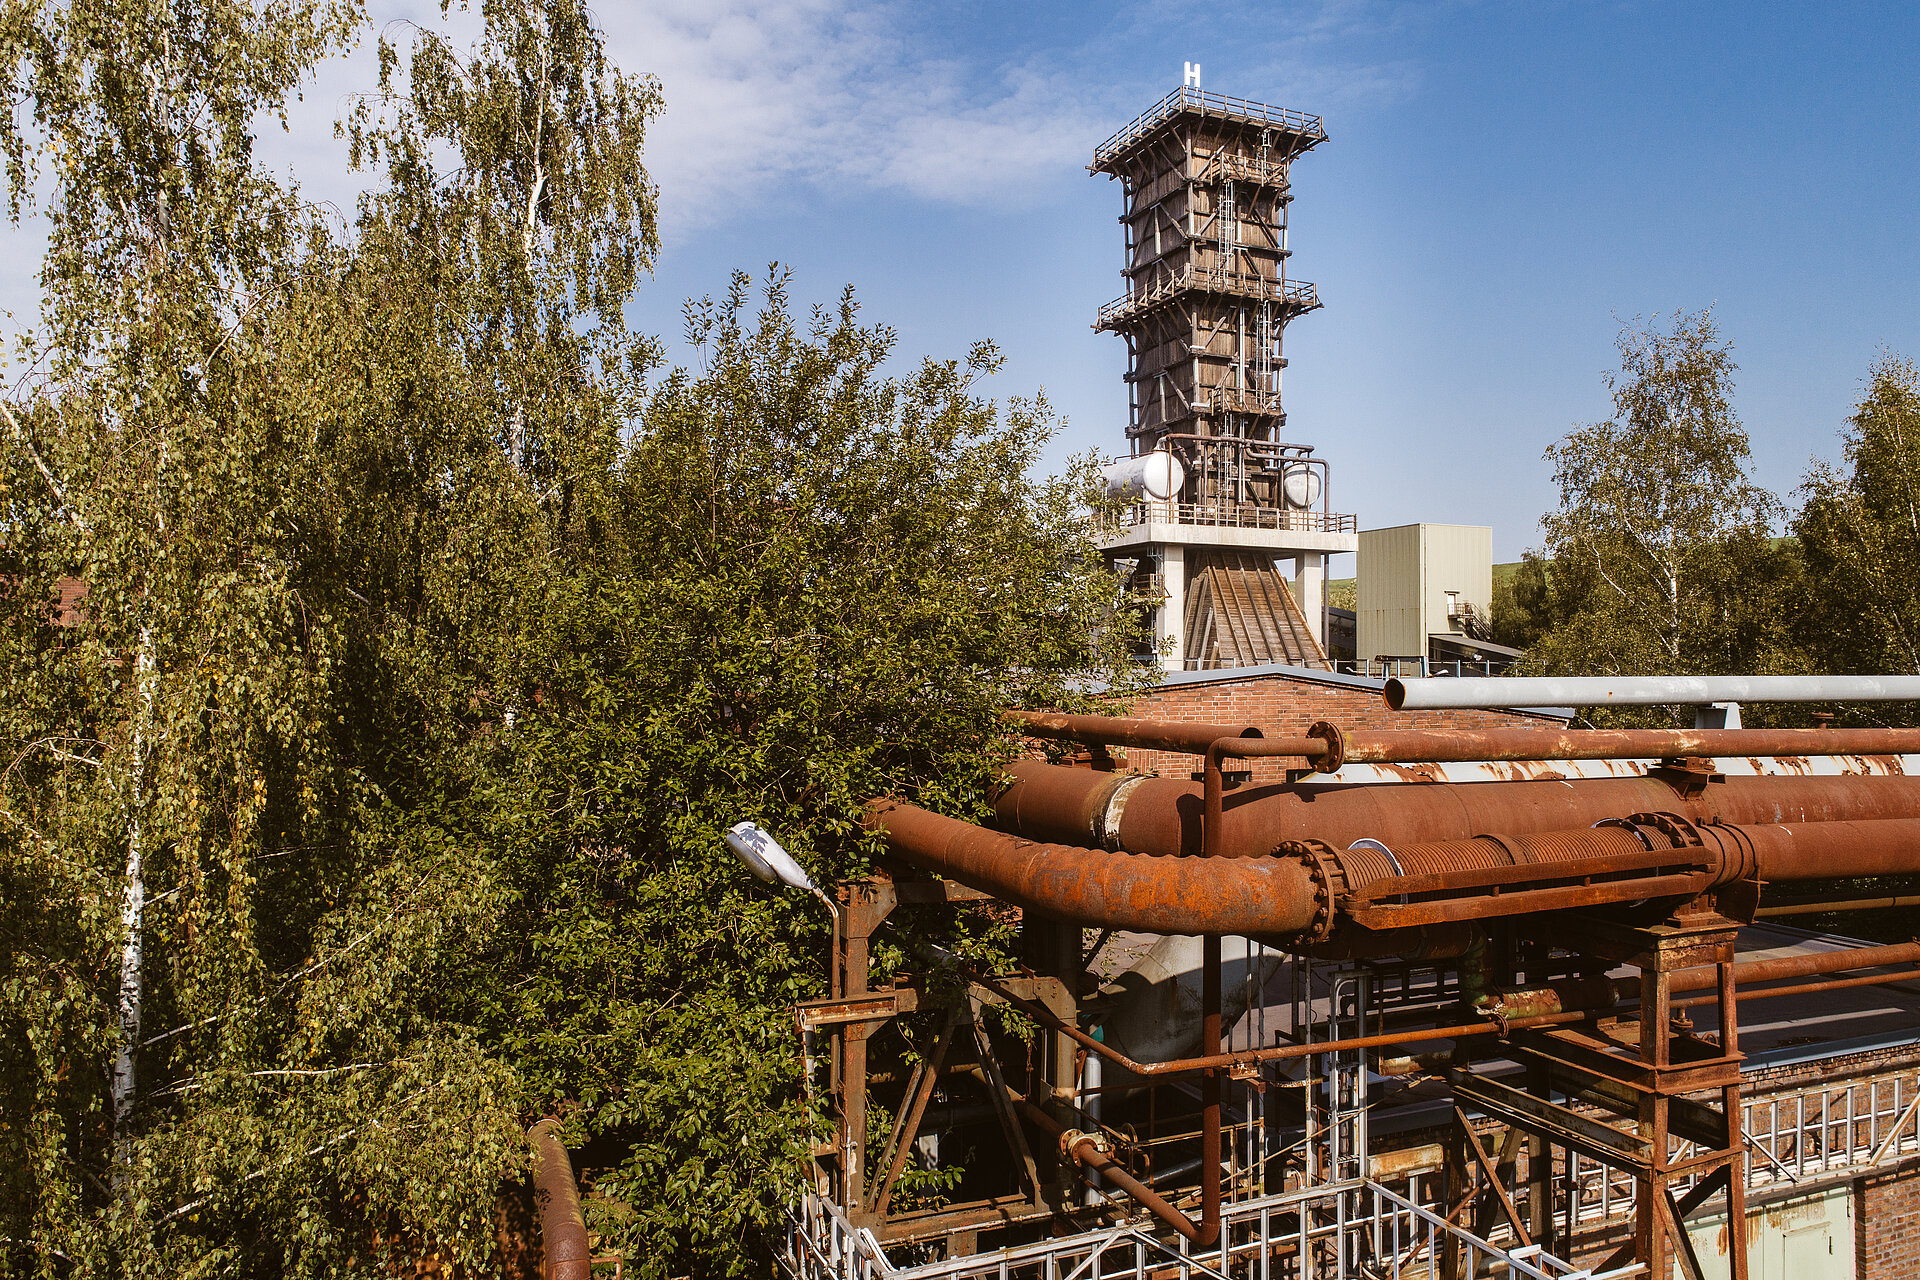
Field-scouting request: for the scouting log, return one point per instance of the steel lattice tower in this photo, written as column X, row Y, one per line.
column 1207, row 186
column 1206, row 182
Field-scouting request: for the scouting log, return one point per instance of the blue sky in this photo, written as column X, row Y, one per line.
column 1503, row 182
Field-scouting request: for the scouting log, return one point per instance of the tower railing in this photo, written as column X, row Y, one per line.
column 1236, row 515
column 1260, row 171
column 1187, row 98
column 1298, row 294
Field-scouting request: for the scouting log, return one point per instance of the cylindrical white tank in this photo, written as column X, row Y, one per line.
column 1156, row 476
column 1301, row 485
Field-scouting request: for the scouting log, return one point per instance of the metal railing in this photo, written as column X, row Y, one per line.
column 1794, row 1137
column 1240, row 284
column 1151, row 586
column 1237, row 516
column 1187, row 98
column 1237, row 400
column 1341, row 1231
column 1229, row 166
column 1386, row 668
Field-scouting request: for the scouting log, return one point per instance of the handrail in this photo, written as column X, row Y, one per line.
column 1187, row 98
column 1250, row 284
column 1239, row 516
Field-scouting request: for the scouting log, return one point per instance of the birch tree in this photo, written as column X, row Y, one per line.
column 1659, row 517
column 211, row 977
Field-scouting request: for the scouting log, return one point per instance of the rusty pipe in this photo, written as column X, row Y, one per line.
column 1595, row 994
column 564, row 1253
column 1209, row 1092
column 1164, row 815
column 1302, row 893
column 1838, row 904
column 1105, row 890
column 1087, row 1150
column 1782, row 967
column 1121, row 731
column 1807, row 988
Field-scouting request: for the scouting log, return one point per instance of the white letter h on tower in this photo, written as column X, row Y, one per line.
column 1193, row 75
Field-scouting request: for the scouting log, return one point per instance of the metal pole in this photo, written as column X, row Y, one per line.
column 1594, row 691
column 1210, row 1093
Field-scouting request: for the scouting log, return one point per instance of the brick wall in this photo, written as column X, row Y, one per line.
column 1289, row 703
column 1886, row 1225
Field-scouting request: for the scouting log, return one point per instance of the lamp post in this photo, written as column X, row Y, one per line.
column 769, row 862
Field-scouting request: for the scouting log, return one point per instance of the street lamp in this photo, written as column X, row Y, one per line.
column 771, row 863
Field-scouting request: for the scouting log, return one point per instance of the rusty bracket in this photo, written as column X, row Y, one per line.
column 1689, row 775
column 877, row 1007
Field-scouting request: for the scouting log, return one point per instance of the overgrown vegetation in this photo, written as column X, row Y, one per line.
column 368, row 804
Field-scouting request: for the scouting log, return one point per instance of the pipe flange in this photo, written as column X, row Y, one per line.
column 1671, row 825
column 1329, row 882
column 1072, row 1138
column 1336, row 740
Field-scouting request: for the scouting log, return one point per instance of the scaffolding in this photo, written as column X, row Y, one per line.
column 1095, row 1191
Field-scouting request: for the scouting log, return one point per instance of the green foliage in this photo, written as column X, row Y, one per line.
column 817, row 585
column 368, row 806
column 1860, row 534
column 1658, row 558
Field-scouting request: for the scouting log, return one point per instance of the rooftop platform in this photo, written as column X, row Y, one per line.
column 1303, row 130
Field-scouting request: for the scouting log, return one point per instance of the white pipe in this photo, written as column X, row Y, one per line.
column 1597, row 691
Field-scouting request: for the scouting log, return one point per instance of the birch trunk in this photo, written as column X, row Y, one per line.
column 133, row 906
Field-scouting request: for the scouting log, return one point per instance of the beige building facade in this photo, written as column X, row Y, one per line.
column 1419, row 582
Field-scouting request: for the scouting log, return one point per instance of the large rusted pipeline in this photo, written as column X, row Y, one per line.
column 1329, row 746
column 1300, row 892
column 1106, row 890
column 1163, row 815
column 564, row 1250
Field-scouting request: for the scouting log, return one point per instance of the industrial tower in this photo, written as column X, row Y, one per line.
column 1218, row 494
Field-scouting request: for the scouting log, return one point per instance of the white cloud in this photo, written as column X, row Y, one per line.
column 764, row 93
